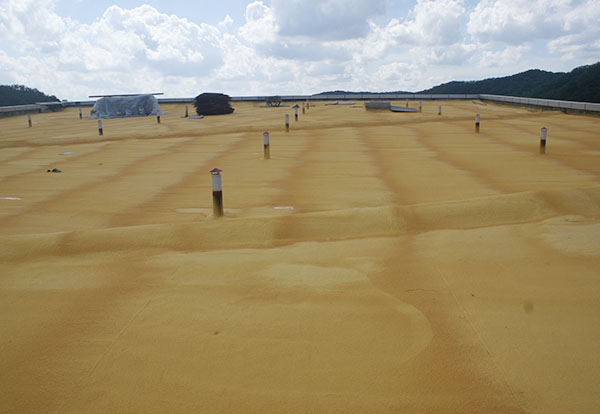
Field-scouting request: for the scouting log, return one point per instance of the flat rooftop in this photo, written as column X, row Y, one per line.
column 379, row 262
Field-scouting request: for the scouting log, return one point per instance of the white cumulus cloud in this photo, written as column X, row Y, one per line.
column 326, row 19
column 518, row 21
column 435, row 23
column 558, row 31
column 136, row 49
column 292, row 46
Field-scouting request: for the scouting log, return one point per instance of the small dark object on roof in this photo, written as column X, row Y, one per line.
column 385, row 105
column 213, row 104
column 402, row 109
column 377, row 105
column 274, row 100
column 54, row 170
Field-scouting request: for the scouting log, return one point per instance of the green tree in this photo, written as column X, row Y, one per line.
column 22, row 95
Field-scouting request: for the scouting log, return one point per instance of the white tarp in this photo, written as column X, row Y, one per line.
column 125, row 106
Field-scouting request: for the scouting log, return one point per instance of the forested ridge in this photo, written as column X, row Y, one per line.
column 22, row 95
column 581, row 84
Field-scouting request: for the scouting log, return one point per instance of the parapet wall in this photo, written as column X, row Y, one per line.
column 545, row 103
column 39, row 107
column 567, row 106
column 388, row 97
column 19, row 110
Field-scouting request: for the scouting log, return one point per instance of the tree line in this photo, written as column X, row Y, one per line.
column 582, row 84
column 22, row 95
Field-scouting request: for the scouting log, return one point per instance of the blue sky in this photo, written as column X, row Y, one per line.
column 76, row 48
column 211, row 12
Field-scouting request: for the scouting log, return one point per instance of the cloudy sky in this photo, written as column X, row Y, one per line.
column 76, row 48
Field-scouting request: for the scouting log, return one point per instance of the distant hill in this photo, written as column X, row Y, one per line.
column 338, row 92
column 581, row 84
column 22, row 95
column 524, row 84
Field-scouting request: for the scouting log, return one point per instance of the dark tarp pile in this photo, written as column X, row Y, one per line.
column 212, row 104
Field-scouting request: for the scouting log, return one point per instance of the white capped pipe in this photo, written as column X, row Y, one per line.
column 216, row 182
column 543, row 135
column 217, row 192
column 267, row 148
